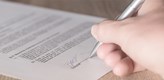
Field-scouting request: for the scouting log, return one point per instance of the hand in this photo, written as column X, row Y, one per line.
column 136, row 43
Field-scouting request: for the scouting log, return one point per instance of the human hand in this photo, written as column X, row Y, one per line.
column 136, row 43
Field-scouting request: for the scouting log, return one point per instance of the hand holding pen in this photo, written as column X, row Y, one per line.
column 134, row 44
column 129, row 11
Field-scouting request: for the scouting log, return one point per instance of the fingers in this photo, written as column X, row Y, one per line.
column 126, row 67
column 110, row 53
column 115, row 58
column 138, row 67
column 117, row 32
column 105, row 49
column 106, row 31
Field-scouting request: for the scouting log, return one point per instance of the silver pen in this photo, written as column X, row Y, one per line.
column 128, row 12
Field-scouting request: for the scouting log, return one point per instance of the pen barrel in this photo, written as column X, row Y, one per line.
column 131, row 9
column 128, row 12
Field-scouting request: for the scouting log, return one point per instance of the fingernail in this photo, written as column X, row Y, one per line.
column 94, row 31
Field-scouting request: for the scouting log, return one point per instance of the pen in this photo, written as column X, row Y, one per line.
column 128, row 12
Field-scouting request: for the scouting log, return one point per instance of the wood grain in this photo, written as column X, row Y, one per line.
column 102, row 8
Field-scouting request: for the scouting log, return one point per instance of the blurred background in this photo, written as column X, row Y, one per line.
column 103, row 8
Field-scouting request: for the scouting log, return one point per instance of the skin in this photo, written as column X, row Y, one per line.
column 136, row 43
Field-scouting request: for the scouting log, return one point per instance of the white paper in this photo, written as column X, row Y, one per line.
column 43, row 44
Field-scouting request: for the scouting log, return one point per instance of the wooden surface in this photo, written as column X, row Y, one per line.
column 103, row 8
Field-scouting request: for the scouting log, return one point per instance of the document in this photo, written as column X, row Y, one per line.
column 43, row 44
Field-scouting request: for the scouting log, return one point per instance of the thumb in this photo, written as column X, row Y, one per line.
column 107, row 31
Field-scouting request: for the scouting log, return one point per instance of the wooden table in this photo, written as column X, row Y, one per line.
column 103, row 8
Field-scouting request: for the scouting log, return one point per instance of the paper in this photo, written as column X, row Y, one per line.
column 43, row 44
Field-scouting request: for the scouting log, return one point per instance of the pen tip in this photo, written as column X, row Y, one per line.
column 93, row 54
